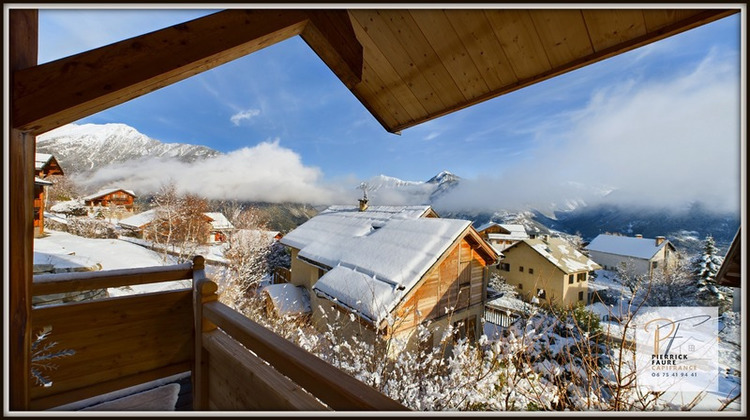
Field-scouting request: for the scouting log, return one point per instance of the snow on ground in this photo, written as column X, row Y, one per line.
column 111, row 254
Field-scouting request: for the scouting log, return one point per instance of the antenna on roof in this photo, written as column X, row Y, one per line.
column 363, row 201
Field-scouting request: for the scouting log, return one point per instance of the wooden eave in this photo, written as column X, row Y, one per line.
column 730, row 272
column 422, row 64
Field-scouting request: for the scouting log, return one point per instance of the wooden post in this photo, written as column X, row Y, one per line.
column 204, row 290
column 23, row 37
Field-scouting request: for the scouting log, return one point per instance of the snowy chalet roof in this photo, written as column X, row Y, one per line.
column 219, row 221
column 641, row 248
column 508, row 303
column 41, row 160
column 375, row 257
column 139, row 220
column 560, row 253
column 102, row 193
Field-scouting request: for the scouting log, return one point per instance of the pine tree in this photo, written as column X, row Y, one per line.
column 705, row 268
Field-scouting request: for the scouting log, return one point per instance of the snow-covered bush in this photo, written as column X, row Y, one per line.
column 91, row 228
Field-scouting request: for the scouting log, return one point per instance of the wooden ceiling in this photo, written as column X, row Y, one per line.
column 405, row 66
column 421, row 64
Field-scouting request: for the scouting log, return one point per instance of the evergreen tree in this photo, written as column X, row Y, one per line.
column 705, row 268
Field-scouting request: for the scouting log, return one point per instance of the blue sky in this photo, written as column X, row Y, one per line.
column 659, row 123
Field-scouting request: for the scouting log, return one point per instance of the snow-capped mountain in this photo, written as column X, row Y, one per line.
column 390, row 190
column 86, row 147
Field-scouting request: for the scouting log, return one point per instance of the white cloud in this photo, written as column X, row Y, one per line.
column 244, row 115
column 660, row 143
column 266, row 173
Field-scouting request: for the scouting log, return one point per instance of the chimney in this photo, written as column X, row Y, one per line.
column 545, row 238
column 659, row 240
column 639, row 236
column 362, row 204
column 363, row 201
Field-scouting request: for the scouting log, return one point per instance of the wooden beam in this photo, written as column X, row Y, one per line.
column 66, row 90
column 331, row 35
column 23, row 33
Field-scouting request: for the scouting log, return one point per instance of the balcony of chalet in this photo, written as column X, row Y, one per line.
column 223, row 360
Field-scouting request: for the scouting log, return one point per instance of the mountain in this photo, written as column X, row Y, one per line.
column 383, row 189
column 86, row 147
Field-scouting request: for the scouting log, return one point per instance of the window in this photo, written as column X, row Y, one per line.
column 580, row 295
column 531, row 271
column 520, row 269
column 654, row 264
column 520, row 286
column 581, row 277
column 541, row 293
column 570, row 279
column 466, row 328
column 503, row 266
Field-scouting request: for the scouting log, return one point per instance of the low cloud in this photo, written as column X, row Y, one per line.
column 244, row 115
column 267, row 172
column 653, row 144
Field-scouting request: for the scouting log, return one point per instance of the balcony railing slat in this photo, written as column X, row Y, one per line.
column 331, row 385
column 47, row 284
column 263, row 387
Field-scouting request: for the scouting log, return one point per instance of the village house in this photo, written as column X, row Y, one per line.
column 220, row 226
column 549, row 270
column 501, row 236
column 392, row 268
column 641, row 256
column 117, row 202
column 45, row 165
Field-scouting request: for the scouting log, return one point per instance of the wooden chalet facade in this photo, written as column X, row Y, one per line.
column 111, row 198
column 389, row 267
column 45, row 165
column 385, row 57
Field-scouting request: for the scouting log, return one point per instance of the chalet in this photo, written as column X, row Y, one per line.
column 189, row 330
column 393, row 267
column 548, row 269
column 501, row 236
column 220, row 227
column 111, row 198
column 641, row 255
column 45, row 165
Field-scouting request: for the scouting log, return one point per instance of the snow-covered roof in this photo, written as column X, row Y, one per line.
column 506, row 302
column 288, row 299
column 40, row 160
column 510, row 229
column 560, row 253
column 139, row 220
column 102, row 193
column 375, row 257
column 219, row 221
column 40, row 181
column 382, row 212
column 642, row 248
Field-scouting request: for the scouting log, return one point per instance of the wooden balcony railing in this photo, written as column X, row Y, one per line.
column 235, row 363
